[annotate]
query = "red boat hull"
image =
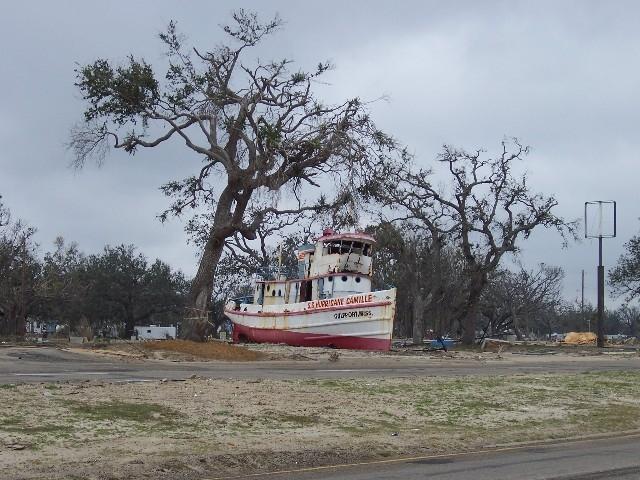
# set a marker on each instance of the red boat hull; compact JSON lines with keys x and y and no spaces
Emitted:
{"x":242,"y":333}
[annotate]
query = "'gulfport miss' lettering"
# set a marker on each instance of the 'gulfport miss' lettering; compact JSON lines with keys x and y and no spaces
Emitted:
{"x":352,"y":314}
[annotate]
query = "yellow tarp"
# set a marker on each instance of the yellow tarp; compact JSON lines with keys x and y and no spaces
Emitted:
{"x":580,"y":338}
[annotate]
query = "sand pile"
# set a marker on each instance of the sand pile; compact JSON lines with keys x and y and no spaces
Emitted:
{"x":580,"y":338}
{"x":210,"y":350}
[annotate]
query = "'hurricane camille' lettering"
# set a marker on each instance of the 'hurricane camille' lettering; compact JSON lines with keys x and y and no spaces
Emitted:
{"x":338,"y":302}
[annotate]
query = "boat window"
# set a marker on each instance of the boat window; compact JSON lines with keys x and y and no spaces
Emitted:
{"x":333,"y":247}
{"x":273,"y":294}
{"x":357,"y":248}
{"x":357,"y":279}
{"x":367,"y":250}
{"x":330,"y":279}
{"x":268,"y":287}
{"x":343,"y":247}
{"x":344,"y":278}
{"x":279,"y":293}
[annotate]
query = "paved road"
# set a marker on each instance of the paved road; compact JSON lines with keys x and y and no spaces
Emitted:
{"x":589,"y":460}
{"x":43,"y":364}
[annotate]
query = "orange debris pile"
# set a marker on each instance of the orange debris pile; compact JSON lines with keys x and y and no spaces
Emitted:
{"x":580,"y":338}
{"x":209,"y":350}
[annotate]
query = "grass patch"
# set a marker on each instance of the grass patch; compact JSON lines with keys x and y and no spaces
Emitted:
{"x":126,"y":411}
{"x":16,"y":424}
{"x":53,"y":429}
{"x":609,"y":417}
{"x":8,"y":386}
{"x":10,"y":421}
{"x":370,"y":426}
{"x":522,"y":406}
{"x":283,"y":420}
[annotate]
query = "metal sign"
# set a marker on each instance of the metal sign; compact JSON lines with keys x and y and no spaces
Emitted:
{"x":600,"y":219}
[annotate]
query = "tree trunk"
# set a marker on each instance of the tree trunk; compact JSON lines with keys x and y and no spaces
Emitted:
{"x":418,"y":320}
{"x":194,"y":325}
{"x":633,"y":327}
{"x":438,"y":290}
{"x":13,"y":320}
{"x":515,"y":322}
{"x":129,"y":326}
{"x":195,"y":321}
{"x":469,"y":325}
{"x":470,"y":310}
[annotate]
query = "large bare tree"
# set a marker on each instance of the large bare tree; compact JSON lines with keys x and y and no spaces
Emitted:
{"x":485,"y":209}
{"x":253,"y":128}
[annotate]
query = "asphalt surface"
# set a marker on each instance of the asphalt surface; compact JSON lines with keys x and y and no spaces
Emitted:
{"x":617,"y":458}
{"x":48,"y":364}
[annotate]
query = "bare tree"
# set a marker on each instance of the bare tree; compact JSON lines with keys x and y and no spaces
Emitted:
{"x":19,"y":271}
{"x":4,"y":215}
{"x":255,"y":127}
{"x":486,"y":209}
{"x":630,"y":317}
{"x":514,"y":300}
{"x":427,"y":277}
{"x":625,"y":277}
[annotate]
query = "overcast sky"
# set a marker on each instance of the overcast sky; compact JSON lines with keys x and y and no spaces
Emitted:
{"x":562,"y":76}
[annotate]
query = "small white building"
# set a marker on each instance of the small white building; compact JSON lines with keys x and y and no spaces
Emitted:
{"x":154,"y":332}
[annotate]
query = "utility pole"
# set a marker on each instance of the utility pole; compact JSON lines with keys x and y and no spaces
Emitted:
{"x":599,"y":233}
{"x":582,"y":304}
{"x":23,"y":281}
{"x":600,"y":296}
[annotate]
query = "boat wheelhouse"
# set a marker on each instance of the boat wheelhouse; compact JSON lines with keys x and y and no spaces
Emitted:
{"x":329,"y":303}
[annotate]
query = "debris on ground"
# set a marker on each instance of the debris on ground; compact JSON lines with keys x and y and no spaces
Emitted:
{"x":495,"y":345}
{"x":580,"y":338}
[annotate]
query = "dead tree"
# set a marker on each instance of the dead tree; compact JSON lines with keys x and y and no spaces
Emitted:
{"x":253,"y":128}
{"x":4,"y":215}
{"x":486,"y":209}
{"x":513,"y":300}
{"x":625,"y":277}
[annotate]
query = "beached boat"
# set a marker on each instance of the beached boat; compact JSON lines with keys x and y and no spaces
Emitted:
{"x":330,"y":303}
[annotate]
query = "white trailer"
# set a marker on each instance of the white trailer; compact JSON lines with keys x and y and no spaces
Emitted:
{"x":154,"y":332}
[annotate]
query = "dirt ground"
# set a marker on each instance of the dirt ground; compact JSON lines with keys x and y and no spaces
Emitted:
{"x":181,"y":350}
{"x":176,"y":350}
{"x":205,"y":427}
{"x":208,"y":350}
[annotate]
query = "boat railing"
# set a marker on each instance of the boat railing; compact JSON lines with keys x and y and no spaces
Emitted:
{"x":240,"y":300}
{"x":276,"y":273}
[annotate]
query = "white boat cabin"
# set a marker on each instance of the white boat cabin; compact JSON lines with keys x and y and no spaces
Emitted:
{"x":338,"y":265}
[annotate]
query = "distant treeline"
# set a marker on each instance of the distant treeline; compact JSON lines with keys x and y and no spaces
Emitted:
{"x":85,"y":294}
